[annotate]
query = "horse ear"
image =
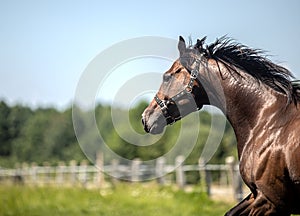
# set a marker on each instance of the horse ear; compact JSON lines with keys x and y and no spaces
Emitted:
{"x":181,"y":45}
{"x":200,"y":43}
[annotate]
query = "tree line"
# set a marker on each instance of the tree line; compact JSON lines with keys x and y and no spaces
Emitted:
{"x":47,"y":134}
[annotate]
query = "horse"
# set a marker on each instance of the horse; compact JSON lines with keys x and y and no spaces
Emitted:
{"x":261,"y":101}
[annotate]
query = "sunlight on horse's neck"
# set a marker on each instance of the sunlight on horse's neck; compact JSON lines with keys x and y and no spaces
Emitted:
{"x":241,"y":92}
{"x":246,"y":99}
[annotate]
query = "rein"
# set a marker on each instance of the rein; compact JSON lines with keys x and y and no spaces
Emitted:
{"x":186,"y":93}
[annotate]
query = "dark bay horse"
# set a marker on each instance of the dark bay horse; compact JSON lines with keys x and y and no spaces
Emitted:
{"x":261,"y":102}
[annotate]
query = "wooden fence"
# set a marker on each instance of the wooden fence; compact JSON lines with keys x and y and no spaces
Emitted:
{"x":222,"y":175}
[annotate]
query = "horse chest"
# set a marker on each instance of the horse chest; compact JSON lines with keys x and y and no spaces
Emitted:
{"x":260,"y":164}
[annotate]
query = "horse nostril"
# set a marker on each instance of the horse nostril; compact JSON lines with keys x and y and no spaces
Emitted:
{"x":145,"y":126}
{"x":146,"y":129}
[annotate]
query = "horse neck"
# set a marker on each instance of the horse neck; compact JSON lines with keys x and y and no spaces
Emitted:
{"x":247,"y":103}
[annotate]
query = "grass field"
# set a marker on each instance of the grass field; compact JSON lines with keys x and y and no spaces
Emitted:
{"x":122,"y":200}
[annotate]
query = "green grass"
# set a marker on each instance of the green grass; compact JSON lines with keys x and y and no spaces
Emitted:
{"x":123,"y":200}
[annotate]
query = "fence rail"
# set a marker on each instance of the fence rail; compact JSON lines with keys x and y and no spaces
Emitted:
{"x":87,"y":175}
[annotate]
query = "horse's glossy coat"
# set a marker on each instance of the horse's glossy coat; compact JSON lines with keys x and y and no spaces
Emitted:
{"x":262,"y":104}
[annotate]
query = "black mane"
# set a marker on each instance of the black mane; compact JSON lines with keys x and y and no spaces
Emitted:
{"x":253,"y":61}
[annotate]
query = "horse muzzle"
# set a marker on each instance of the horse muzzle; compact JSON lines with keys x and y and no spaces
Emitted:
{"x":154,"y":123}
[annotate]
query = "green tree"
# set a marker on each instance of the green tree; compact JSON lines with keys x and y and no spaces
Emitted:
{"x":48,"y":135}
{"x":5,"y":147}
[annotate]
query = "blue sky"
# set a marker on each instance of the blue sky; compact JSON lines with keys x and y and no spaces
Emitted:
{"x":46,"y":45}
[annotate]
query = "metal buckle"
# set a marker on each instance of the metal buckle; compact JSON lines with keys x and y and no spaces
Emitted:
{"x":194,"y":74}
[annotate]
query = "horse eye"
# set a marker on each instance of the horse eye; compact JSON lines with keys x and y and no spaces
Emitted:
{"x":167,"y":77}
{"x":178,"y":70}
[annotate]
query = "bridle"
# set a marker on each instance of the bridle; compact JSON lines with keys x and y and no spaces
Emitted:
{"x":186,"y":93}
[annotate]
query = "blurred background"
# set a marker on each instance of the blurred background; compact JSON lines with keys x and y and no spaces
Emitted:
{"x":46,"y":46}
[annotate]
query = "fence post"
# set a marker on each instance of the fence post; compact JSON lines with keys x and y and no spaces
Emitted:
{"x":205,"y":176}
{"x":239,"y":194}
{"x":160,"y":170}
{"x":18,"y":177}
{"x":83,"y":173}
{"x":47,"y":175}
{"x":135,"y":170}
{"x":180,"y":175}
{"x":235,"y":178}
{"x":99,"y":179}
{"x":33,"y":173}
{"x":60,"y":169}
{"x":73,"y":172}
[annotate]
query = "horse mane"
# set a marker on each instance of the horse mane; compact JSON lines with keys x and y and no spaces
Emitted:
{"x":254,"y":62}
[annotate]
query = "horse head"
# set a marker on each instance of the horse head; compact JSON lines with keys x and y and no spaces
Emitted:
{"x":180,"y":92}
